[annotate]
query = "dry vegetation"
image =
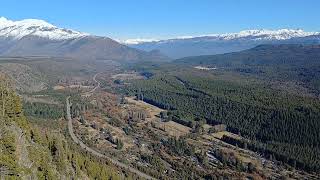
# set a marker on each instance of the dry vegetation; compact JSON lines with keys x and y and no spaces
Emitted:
{"x":26,"y":79}
{"x":134,"y":144}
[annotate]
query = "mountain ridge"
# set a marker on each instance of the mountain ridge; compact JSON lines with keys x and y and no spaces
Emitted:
{"x":225,"y":43}
{"x":280,"y":34}
{"x":33,"y":37}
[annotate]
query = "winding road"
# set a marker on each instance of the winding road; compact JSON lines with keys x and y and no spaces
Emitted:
{"x":94,"y":152}
{"x":87,"y":94}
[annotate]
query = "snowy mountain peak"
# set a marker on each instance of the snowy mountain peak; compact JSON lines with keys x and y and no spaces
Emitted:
{"x":35,"y":27}
{"x":281,"y":34}
{"x":255,"y":34}
{"x":4,"y":22}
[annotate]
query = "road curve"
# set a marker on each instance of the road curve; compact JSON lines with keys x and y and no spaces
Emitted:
{"x":89,"y":93}
{"x":96,"y":81}
{"x":94,"y":152}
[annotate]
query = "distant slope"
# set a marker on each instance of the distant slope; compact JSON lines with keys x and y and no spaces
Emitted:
{"x":33,"y":74}
{"x":25,"y":78}
{"x":283,"y":54}
{"x":286,"y":62}
{"x":225,"y":43}
{"x":88,"y":48}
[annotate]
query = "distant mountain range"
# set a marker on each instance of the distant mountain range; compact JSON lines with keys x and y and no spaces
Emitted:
{"x":224,"y":43}
{"x":32,"y":37}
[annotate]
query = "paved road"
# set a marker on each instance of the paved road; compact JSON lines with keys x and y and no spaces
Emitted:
{"x":94,"y":152}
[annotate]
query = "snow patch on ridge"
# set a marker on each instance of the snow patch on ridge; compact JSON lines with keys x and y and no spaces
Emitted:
{"x":138,"y":41}
{"x":35,"y":27}
{"x":263,"y":34}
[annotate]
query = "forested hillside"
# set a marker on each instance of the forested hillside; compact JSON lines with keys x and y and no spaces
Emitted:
{"x":282,"y":54}
{"x":283,"y":125}
{"x":297,"y":63}
{"x":31,"y":152}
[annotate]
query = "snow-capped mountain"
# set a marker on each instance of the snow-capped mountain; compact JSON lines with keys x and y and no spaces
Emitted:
{"x":264,"y":34}
{"x":33,"y":37}
{"x":35,"y":27}
{"x":281,"y":34}
{"x":223,"y":43}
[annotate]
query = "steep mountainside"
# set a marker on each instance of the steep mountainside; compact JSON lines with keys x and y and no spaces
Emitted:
{"x":224,"y":43}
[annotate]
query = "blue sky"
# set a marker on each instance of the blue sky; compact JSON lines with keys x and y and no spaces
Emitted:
{"x":122,"y":19}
